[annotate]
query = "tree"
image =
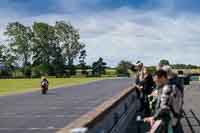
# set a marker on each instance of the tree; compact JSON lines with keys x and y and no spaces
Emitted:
{"x":98,"y":67}
{"x":20,"y":41}
{"x":123,"y":67}
{"x":7,"y":60}
{"x":184,"y":66}
{"x":45,"y":46}
{"x":164,"y":62}
{"x":42,"y":43}
{"x":82,"y":63}
{"x":69,"y":37}
{"x":58,"y":62}
{"x":2,"y":47}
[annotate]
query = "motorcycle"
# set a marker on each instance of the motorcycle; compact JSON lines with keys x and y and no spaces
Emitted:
{"x":44,"y":88}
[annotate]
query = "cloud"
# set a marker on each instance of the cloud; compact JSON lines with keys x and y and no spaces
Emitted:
{"x":145,"y":36}
{"x":127,"y":33}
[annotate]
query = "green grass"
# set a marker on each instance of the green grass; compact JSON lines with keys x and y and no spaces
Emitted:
{"x":13,"y":86}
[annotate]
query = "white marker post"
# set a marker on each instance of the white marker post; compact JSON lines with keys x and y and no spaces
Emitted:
{"x":79,"y":130}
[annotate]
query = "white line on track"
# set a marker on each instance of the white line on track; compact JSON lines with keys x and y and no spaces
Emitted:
{"x":29,"y":129}
{"x":37,"y":116}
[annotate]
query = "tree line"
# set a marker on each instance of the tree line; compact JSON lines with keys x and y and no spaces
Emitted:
{"x":43,"y":49}
{"x":124,"y":67}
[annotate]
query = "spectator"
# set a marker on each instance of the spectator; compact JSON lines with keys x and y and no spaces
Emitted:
{"x":173,"y":78}
{"x":138,"y":82}
{"x":147,"y":85}
{"x":166,"y":104}
{"x":140,"y":73}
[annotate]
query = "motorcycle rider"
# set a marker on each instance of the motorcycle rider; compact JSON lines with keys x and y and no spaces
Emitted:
{"x":44,"y":85}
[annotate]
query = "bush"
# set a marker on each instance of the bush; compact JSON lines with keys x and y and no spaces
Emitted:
{"x":111,"y":72}
{"x":44,"y":69}
{"x":122,"y":72}
{"x":17,"y":74}
{"x":151,"y":69}
{"x":35,"y":72}
{"x":27,"y":71}
{"x":5,"y":74}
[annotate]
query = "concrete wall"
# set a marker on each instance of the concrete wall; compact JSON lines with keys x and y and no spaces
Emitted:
{"x":117,"y":120}
{"x":113,"y":116}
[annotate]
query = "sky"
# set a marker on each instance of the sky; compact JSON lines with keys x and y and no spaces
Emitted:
{"x":146,"y":30}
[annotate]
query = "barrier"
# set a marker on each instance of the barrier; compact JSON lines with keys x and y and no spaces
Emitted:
{"x":113,"y":116}
{"x":157,"y":127}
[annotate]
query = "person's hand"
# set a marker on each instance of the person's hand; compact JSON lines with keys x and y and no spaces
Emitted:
{"x":149,"y":120}
{"x":137,"y":86}
{"x":141,"y":88}
{"x":154,"y":93}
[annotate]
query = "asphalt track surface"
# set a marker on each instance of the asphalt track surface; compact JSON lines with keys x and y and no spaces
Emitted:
{"x":36,"y":113}
{"x":191,"y":121}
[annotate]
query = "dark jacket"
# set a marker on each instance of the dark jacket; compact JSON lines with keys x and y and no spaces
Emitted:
{"x":138,"y":80}
{"x":147,"y":84}
{"x":177,"y":81}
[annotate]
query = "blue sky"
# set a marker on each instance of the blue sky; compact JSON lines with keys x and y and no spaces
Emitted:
{"x":146,"y":30}
{"x":38,"y":7}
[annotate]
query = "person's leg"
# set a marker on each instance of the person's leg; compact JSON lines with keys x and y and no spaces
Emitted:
{"x":146,"y":106}
{"x":142,"y":101}
{"x":178,"y":128}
